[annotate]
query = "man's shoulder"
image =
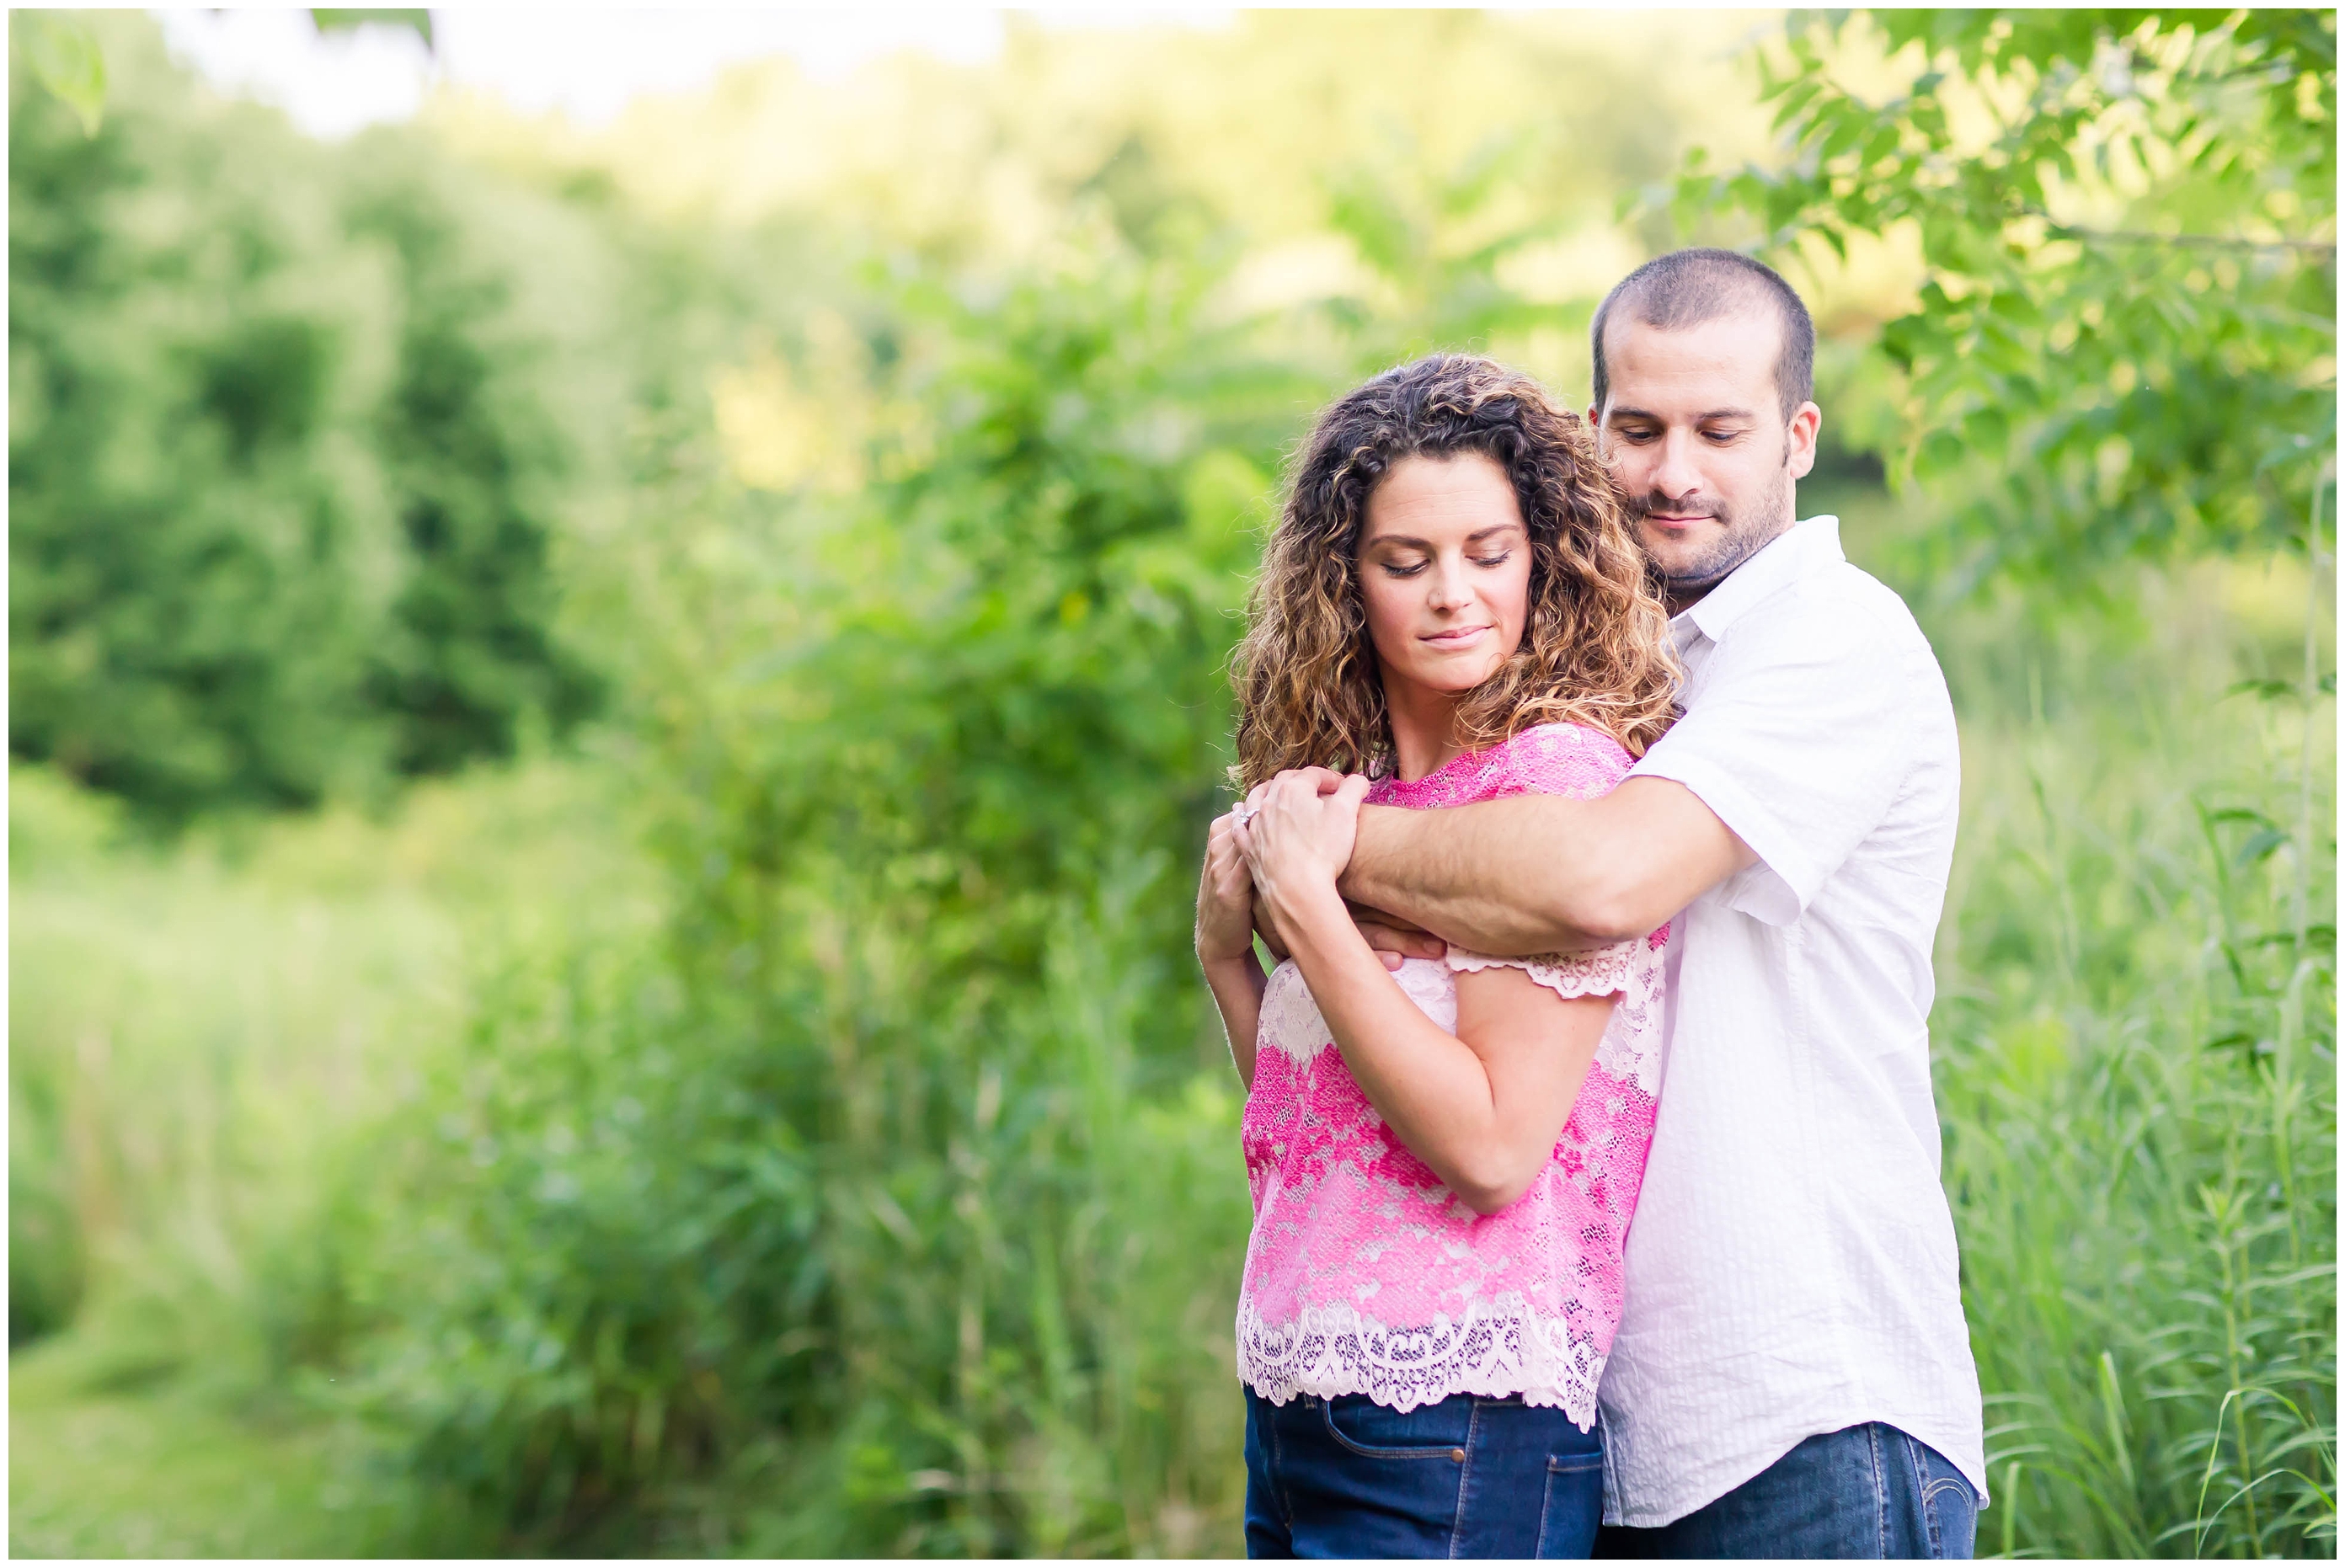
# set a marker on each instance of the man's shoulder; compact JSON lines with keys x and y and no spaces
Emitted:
{"x":1845,"y":587}
{"x":1836,"y":642}
{"x":1838,"y":608}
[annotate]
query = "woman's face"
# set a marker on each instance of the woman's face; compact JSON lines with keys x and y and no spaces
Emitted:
{"x":1445,"y":565}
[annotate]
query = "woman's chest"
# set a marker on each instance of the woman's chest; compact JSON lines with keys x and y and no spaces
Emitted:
{"x":1292,"y":1025}
{"x":1306,"y":1109}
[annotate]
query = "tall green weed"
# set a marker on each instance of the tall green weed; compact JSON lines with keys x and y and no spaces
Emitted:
{"x":2135,"y":1045}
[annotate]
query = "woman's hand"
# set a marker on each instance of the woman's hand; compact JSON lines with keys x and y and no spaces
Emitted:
{"x":1225,"y":897}
{"x":1297,"y":833}
{"x":1225,"y":941}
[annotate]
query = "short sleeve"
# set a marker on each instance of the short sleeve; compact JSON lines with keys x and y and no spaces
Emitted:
{"x":1797,"y":737}
{"x":1597,"y":972}
{"x":1562,"y":759}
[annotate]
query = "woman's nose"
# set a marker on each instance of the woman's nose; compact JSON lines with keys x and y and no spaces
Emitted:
{"x":1450,"y":590}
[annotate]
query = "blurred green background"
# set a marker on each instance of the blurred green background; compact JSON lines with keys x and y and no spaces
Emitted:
{"x":609,"y":729}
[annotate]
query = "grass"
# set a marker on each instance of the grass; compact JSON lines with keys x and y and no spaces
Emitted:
{"x":197,"y":1033}
{"x":2134,"y":1047}
{"x":103,"y":1462}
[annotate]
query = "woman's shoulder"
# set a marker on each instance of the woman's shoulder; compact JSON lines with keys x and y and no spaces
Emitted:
{"x":1564,"y":759}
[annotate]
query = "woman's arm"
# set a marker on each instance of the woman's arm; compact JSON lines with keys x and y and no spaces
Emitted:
{"x":1237,"y":988}
{"x":1225,"y":943}
{"x":1483,"y":1107}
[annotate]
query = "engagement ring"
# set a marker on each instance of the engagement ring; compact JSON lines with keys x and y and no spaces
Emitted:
{"x":1240,"y":814}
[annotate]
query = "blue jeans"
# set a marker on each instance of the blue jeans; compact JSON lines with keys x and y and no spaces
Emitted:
{"x":1864,"y":1492}
{"x":1465,"y":1477}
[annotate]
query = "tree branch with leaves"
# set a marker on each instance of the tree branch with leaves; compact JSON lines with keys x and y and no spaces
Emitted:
{"x":2125,"y":339}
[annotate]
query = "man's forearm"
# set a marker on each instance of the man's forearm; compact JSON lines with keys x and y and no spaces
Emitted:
{"x":1542,"y":874}
{"x":1509,"y":878}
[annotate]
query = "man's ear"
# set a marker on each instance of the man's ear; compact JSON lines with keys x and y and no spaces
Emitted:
{"x":1799,"y":440}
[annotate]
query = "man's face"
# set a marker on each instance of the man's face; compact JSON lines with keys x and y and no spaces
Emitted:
{"x":1693,"y":428}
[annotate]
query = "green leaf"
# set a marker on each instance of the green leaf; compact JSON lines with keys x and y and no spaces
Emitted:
{"x":2259,"y":846}
{"x":1942,"y":453}
{"x":66,"y":60}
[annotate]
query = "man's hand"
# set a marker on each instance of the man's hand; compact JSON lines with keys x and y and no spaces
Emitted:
{"x":1396,"y":940}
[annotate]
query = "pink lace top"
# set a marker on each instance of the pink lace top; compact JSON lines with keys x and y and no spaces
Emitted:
{"x":1365,"y":1275}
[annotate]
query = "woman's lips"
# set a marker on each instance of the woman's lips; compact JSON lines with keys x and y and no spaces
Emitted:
{"x":1456,"y":638}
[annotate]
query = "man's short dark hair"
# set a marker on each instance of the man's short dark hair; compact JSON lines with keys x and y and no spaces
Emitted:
{"x":1686,"y":288}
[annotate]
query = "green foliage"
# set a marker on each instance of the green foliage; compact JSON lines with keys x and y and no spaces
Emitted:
{"x":1433,"y":241}
{"x":996,"y":669}
{"x":476,"y":459}
{"x":679,"y":1283}
{"x":2125,"y":337}
{"x":105,"y":1466}
{"x":889,"y":1194}
{"x":65,"y":60}
{"x":284,"y":475}
{"x":193,"y":1031}
{"x":68,"y":60}
{"x":2136,"y":1072}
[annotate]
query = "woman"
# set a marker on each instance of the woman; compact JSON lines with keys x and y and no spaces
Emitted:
{"x":1444,"y":1158}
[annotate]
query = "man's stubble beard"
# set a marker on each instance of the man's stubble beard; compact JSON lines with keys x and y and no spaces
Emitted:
{"x":1738,"y":540}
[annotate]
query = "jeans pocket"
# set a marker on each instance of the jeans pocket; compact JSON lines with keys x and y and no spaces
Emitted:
{"x":1573,"y":1506}
{"x":1376,"y":1432}
{"x":1950,"y":1508}
{"x":1948,"y":1505}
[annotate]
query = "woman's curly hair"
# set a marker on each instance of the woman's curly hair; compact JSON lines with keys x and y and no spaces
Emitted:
{"x":1596,"y":642}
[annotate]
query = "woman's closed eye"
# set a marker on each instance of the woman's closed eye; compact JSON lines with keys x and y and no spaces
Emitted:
{"x":1412,"y":567}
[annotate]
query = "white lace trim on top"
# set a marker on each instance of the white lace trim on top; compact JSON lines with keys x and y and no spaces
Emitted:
{"x":1591,"y":973}
{"x":1500,"y":1349}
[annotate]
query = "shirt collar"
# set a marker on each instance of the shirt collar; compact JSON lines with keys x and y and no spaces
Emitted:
{"x":1801,"y":549}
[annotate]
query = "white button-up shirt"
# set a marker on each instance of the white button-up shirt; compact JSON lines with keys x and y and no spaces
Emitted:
{"x":1791,"y":1268}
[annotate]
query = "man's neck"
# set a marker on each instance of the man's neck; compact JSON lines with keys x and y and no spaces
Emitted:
{"x":1679,"y":598}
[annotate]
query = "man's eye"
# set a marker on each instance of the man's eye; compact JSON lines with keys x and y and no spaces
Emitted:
{"x":1639,"y":437}
{"x":1722,"y":437}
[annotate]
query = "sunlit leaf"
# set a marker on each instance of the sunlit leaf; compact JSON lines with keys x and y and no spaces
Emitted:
{"x":66,"y":60}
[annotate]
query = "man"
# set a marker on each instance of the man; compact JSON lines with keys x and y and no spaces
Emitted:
{"x":1792,"y":1375}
